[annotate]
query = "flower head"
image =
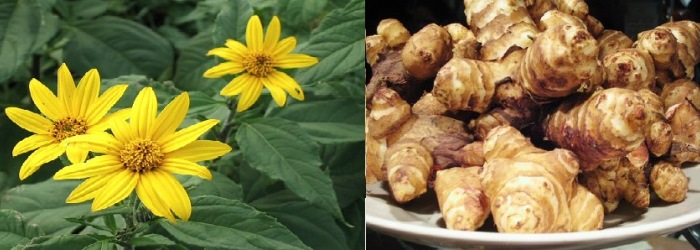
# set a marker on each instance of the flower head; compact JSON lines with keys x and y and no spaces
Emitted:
{"x":75,"y":111}
{"x":258,"y":60}
{"x":142,"y":155}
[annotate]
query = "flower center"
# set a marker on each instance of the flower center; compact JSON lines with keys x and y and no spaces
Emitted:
{"x":141,"y":155}
{"x":258,"y":64}
{"x":67,"y":127}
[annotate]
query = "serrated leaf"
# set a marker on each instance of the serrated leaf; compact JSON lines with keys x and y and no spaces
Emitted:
{"x":151,"y":240}
{"x":43,"y":204}
{"x":282,"y":151}
{"x":346,"y":170}
{"x":231,"y":22}
{"x":315,"y":227}
{"x":117,"y":46}
{"x":220,"y":186}
{"x":70,"y":241}
{"x":331,"y":121}
{"x":193,"y":62}
{"x":14,"y":230}
{"x":230,"y":224}
{"x":298,"y":13}
{"x":338,"y":42}
{"x":20,"y":23}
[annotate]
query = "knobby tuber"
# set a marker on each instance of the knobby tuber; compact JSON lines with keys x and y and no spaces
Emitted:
{"x":462,"y":201}
{"x":669,"y":182}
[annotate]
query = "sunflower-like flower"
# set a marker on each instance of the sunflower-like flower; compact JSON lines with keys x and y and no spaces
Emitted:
{"x":142,"y":155}
{"x":259,"y":61}
{"x":75,"y":111}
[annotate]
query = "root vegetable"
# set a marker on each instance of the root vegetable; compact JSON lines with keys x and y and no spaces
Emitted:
{"x":610,"y":41}
{"x":462,"y":201}
{"x":629,"y":68}
{"x":680,"y":90}
{"x":426,"y":51}
{"x":393,"y":32}
{"x":685,"y":124}
{"x":499,"y":26}
{"x":669,"y":182}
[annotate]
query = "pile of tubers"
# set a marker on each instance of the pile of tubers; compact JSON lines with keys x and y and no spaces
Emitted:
{"x":533,"y":114}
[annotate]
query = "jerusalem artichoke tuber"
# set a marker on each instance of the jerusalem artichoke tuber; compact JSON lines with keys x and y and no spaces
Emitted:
{"x":500,"y":26}
{"x":461,"y":199}
{"x":610,"y":41}
{"x":685,"y":124}
{"x":629,"y":68}
{"x":426,"y":51}
{"x":680,"y":90}
{"x":669,"y":182}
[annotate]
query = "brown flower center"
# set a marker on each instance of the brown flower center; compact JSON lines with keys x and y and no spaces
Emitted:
{"x":141,"y":155}
{"x":258,"y":64}
{"x":67,"y":127}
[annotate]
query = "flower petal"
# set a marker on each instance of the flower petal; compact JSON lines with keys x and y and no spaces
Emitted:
{"x":173,"y":194}
{"x":273,"y":34}
{"x":86,"y":93}
{"x":100,"y":165}
{"x":226,"y":68}
{"x":237,"y":85}
{"x":30,"y":143}
{"x":277,"y":93}
{"x":254,"y":34}
{"x":121,"y":130}
{"x":66,"y":88}
{"x":100,"y":142}
{"x":226,"y":53}
{"x":39,"y":157}
{"x":76,"y":154}
{"x":295,"y":61}
{"x":118,"y":188}
{"x":181,"y":166}
{"x":284,"y":47}
{"x":105,"y":122}
{"x":89,"y":188}
{"x":200,"y":150}
{"x":29,"y":121}
{"x":146,"y":190}
{"x":104,"y":103}
{"x":44,"y":99}
{"x":236,"y":47}
{"x":143,"y":112}
{"x":250,"y":95}
{"x":287,"y":83}
{"x":185,"y":136}
{"x":171,"y":117}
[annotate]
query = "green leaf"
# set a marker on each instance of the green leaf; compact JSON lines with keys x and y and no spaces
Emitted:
{"x":101,"y":245}
{"x":231,"y":21}
{"x":117,"y":46}
{"x":220,"y":185}
{"x":88,"y":9}
{"x":14,"y":230}
{"x":151,"y":240}
{"x":165,"y":91}
{"x":346,"y":170}
{"x":283,"y":151}
{"x":332,"y":121}
{"x":298,"y":13}
{"x":70,"y":241}
{"x":355,"y":214}
{"x":193,"y":62}
{"x":20,"y":23}
{"x":230,"y":224}
{"x":338,"y":42}
{"x":315,"y":227}
{"x":43,"y":204}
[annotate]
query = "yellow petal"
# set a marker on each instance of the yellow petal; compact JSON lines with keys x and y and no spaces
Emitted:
{"x":173,"y":194}
{"x":295,"y":61}
{"x":121,"y":130}
{"x":277,"y":93}
{"x":100,"y":142}
{"x":273,"y":34}
{"x":86,"y":93}
{"x":146,"y":190}
{"x":29,"y":121}
{"x":105,"y":102}
{"x":118,"y":188}
{"x":76,"y":154}
{"x":39,"y":157}
{"x":226,"y":53}
{"x":66,"y":88}
{"x":30,"y":143}
{"x":45,"y":100}
{"x":254,"y":34}
{"x":171,"y":117}
{"x":226,"y":68}
{"x":89,"y":188}
{"x":105,"y":122}
{"x":143,"y":112}
{"x":284,"y":47}
{"x":236,"y":47}
{"x":179,"y":139}
{"x":236,"y":86}
{"x":181,"y":166}
{"x":250,"y":95}
{"x":287,"y":83}
{"x":200,"y":150}
{"x":100,"y":165}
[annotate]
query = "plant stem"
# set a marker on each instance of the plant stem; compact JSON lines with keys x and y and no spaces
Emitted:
{"x":225,"y":132}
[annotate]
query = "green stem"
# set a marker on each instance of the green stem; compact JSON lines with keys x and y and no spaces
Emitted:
{"x":131,"y":223}
{"x":225,"y":131}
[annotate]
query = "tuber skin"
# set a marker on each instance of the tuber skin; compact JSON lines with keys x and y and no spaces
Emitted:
{"x":687,"y":34}
{"x":388,"y":72}
{"x":464,"y":44}
{"x":610,"y":41}
{"x":679,"y":91}
{"x":374,"y":157}
{"x":462,"y":201}
{"x":555,"y":18}
{"x":685,"y":124}
{"x":537,"y":9}
{"x":658,"y":136}
{"x":388,"y":112}
{"x":373,"y":48}
{"x":393,"y":32}
{"x":629,"y":68}
{"x":464,"y":84}
{"x":499,"y":26}
{"x":426,"y":51}
{"x":669,"y":182}
{"x":663,"y":47}
{"x":586,"y":210}
{"x":605,"y":126}
{"x":429,"y":105}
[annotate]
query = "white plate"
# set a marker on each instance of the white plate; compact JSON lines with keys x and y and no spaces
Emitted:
{"x":420,"y":221}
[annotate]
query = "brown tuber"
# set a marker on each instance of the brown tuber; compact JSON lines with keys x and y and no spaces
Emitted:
{"x":669,"y":182}
{"x":679,"y":91}
{"x":426,"y":51}
{"x":629,"y":68}
{"x":685,"y":124}
{"x":499,"y":26}
{"x":610,"y":41}
{"x":393,"y":32}
{"x":462,"y":201}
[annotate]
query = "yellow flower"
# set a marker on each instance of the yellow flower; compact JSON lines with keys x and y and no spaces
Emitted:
{"x":259,"y":61}
{"x":76,"y":111}
{"x":143,"y":155}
